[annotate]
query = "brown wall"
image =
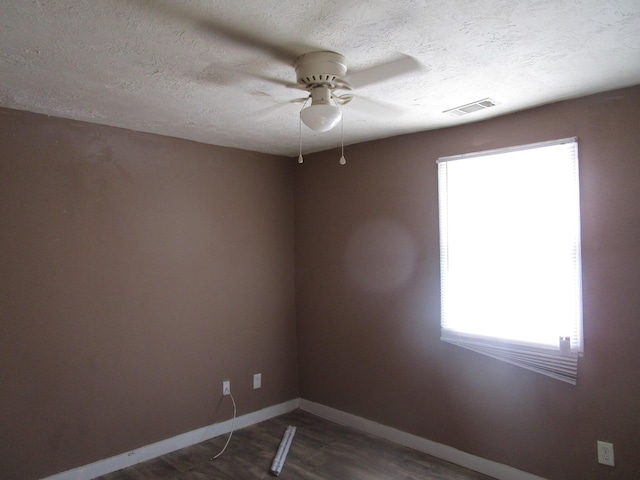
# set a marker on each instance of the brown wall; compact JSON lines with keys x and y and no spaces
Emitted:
{"x":140,"y":271}
{"x":137,"y":273}
{"x":367,"y":287}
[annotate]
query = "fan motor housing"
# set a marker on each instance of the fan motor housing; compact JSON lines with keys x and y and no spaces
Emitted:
{"x":320,"y":68}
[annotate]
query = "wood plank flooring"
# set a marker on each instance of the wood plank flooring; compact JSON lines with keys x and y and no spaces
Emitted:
{"x":321,"y":450}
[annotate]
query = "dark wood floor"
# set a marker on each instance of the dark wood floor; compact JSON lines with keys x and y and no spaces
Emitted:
{"x":321,"y":450}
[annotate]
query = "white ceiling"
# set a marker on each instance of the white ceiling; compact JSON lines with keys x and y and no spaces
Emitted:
{"x":191,"y":69}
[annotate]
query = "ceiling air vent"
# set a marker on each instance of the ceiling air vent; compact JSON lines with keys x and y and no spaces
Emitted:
{"x":471,"y":107}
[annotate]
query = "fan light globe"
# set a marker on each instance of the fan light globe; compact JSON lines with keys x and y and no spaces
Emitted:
{"x":321,"y":118}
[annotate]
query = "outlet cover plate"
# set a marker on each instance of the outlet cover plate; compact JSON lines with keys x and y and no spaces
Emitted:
{"x":605,"y":453}
{"x":257,"y":380}
{"x":226,"y":387}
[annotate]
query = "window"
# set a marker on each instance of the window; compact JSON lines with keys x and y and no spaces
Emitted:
{"x":510,"y":255}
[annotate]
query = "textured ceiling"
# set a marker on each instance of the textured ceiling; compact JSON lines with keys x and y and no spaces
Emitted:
{"x":200,"y":69}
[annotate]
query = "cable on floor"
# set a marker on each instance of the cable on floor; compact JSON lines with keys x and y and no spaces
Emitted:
{"x":231,"y":432}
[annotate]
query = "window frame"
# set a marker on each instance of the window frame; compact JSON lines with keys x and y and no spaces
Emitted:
{"x":558,"y":361}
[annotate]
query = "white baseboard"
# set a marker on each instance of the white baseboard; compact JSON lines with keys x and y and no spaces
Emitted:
{"x":102,"y":467}
{"x":450,"y":454}
{"x":444,"y":452}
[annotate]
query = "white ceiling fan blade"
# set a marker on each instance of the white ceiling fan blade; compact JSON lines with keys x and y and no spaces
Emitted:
{"x":374,"y":107}
{"x":241,"y":35}
{"x":384,"y":71}
{"x":213,"y":70}
{"x":265,"y":112}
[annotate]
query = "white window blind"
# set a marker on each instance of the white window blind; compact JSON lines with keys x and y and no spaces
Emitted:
{"x":510,"y":255}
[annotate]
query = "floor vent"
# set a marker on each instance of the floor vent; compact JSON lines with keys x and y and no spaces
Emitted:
{"x":471,"y":107}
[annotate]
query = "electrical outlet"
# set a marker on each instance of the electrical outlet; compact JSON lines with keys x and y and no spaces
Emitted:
{"x":226,"y":387}
{"x":257,"y":380}
{"x":605,"y":453}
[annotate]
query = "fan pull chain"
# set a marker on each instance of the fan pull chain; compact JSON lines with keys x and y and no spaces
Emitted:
{"x":343,"y":160}
{"x":300,"y":159}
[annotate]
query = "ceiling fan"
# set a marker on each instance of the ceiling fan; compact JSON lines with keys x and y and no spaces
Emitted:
{"x":320,"y":72}
{"x":324,"y":74}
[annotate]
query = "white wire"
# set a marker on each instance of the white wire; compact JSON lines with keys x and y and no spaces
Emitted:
{"x":232,"y":425}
